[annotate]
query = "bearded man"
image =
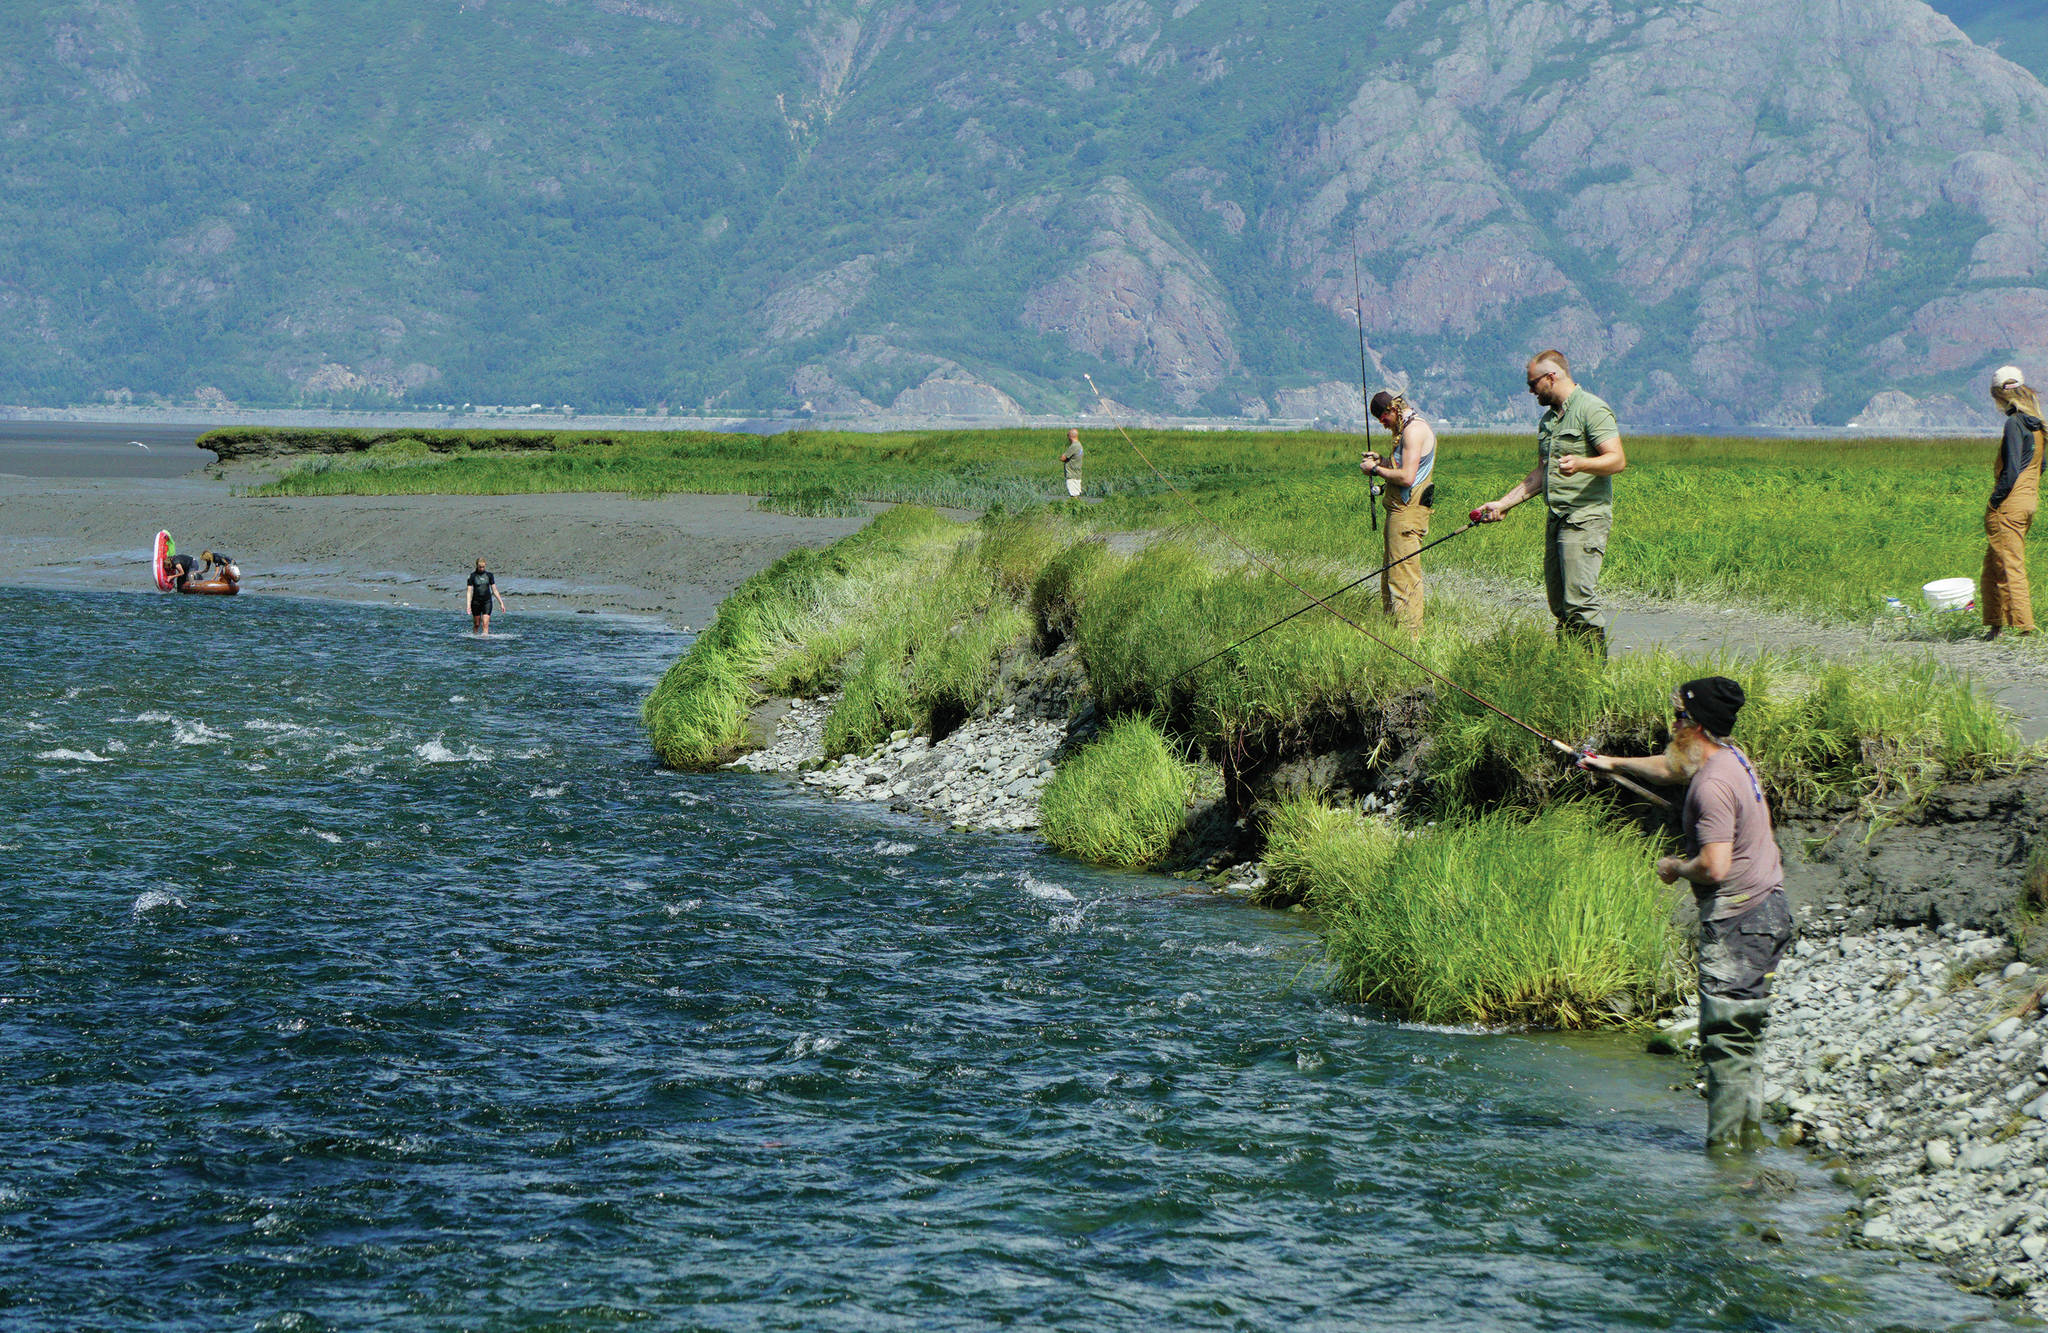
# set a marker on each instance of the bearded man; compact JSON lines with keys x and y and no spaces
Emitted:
{"x":1731,"y":859}
{"x":1578,"y":454}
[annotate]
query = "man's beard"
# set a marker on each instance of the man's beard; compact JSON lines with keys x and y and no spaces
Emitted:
{"x":1686,"y":754}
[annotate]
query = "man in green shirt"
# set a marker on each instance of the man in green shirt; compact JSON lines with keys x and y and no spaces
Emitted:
{"x":1578,"y":451}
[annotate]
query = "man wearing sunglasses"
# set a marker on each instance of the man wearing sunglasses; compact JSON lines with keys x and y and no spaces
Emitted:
{"x":1578,"y":451}
{"x":1731,"y":860}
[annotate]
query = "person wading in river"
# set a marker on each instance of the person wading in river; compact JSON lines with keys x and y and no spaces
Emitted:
{"x":1731,"y":859}
{"x":1071,"y":460}
{"x":483,"y":586}
{"x":2008,"y":601}
{"x":1578,"y":453}
{"x":1410,"y":493}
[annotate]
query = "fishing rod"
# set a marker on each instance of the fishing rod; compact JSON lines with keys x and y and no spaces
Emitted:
{"x":1372,"y":505}
{"x":1302,"y":611}
{"x":1428,"y":670}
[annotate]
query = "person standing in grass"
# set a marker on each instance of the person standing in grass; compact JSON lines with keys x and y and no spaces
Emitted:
{"x":1578,"y":453}
{"x":1071,"y":460}
{"x":2008,"y":601}
{"x":1409,"y":494}
{"x":483,"y":586}
{"x":1732,"y":861}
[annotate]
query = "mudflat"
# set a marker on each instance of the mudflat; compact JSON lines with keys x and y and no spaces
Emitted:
{"x":79,"y":508}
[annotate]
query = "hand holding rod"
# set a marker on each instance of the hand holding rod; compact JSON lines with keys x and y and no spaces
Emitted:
{"x":1613,"y":777}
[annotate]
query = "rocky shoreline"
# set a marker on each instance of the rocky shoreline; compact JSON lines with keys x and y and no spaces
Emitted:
{"x":987,"y":775}
{"x":1916,"y":1062}
{"x":1913,"y":1059}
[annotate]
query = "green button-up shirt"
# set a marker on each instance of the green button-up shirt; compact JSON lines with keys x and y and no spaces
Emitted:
{"x":1581,"y":427}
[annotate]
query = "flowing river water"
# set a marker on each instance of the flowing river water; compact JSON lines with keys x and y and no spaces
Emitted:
{"x":360,"y":974}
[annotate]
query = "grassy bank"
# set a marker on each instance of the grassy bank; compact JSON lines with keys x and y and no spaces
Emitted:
{"x":1821,"y":526}
{"x":1523,"y":901}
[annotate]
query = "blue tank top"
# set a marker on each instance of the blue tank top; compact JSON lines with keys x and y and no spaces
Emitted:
{"x":1421,"y":482}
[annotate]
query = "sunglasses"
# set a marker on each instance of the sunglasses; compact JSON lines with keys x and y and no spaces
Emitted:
{"x":1537,"y":382}
{"x":1680,"y":715}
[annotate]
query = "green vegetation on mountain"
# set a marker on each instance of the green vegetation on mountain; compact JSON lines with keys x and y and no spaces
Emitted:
{"x":956,"y":209}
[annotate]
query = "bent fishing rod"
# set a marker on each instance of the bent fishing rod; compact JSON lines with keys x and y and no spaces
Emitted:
{"x":1304,"y":610}
{"x":1262,"y":562}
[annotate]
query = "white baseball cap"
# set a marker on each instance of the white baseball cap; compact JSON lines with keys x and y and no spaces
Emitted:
{"x":2007,"y":375}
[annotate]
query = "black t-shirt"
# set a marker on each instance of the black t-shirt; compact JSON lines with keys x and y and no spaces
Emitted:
{"x":480,"y":584}
{"x":181,"y":564}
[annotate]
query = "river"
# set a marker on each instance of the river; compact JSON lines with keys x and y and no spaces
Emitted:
{"x":362,"y":974}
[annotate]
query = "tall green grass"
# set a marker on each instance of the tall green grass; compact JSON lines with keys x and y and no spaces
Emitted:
{"x":1557,"y":920}
{"x":1122,"y":800}
{"x":926,"y":654}
{"x":1825,"y":526}
{"x":1316,"y":848}
{"x":1819,"y":730}
{"x":786,"y":626}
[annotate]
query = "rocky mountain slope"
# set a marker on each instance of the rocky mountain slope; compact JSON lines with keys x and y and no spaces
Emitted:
{"x":1730,"y":211}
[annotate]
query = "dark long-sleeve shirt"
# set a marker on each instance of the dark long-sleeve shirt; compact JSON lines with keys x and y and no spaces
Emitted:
{"x":2016,"y":456}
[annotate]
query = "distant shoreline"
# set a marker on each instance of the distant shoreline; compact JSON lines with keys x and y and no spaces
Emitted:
{"x":674,"y":558}
{"x":200,"y":418}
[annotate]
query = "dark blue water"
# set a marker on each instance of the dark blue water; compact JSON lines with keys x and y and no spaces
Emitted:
{"x":371,"y":976}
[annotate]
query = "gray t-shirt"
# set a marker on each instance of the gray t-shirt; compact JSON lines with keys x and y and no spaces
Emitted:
{"x":1072,"y":458}
{"x":1725,"y":803}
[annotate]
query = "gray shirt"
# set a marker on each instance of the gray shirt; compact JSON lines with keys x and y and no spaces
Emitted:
{"x":1725,"y":803}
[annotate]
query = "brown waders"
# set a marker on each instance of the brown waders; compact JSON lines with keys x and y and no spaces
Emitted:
{"x":1574,"y":545}
{"x":1401,"y":584}
{"x":1738,"y":960}
{"x":2003,"y":592}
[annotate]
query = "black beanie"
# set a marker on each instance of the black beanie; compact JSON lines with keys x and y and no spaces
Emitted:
{"x":1713,"y":702}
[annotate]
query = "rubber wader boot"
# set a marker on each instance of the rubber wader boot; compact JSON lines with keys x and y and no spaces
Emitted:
{"x":1731,"y":1032}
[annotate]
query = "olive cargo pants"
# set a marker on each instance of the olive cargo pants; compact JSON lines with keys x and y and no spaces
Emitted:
{"x":1401,"y":585}
{"x":1738,"y":961}
{"x":2003,"y":592}
{"x":1573,"y":548}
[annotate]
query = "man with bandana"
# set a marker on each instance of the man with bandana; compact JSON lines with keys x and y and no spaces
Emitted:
{"x":1731,"y":860}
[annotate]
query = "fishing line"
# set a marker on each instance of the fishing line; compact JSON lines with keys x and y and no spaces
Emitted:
{"x":1410,"y":658}
{"x":1306,"y":609}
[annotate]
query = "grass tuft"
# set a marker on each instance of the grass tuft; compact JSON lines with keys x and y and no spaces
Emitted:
{"x":1315,"y":847}
{"x":1557,"y":920}
{"x":1121,"y":801}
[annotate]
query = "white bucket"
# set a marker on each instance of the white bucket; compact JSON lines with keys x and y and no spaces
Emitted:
{"x":1949,"y":594}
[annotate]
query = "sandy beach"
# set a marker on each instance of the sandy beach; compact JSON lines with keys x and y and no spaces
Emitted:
{"x":79,"y":506}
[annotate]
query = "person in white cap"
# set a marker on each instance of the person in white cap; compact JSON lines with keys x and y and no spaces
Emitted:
{"x":2003,"y":593}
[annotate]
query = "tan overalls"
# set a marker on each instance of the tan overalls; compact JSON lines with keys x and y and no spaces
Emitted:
{"x":1407,"y":529}
{"x":2003,"y":591}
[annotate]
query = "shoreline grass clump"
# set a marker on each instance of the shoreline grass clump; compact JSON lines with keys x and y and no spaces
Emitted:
{"x":1314,"y":847}
{"x":1121,"y":801}
{"x":784,"y":626}
{"x":1552,"y":921}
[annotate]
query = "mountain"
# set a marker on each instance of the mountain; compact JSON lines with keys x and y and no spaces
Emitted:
{"x":1730,"y":212}
{"x":2016,"y":29}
